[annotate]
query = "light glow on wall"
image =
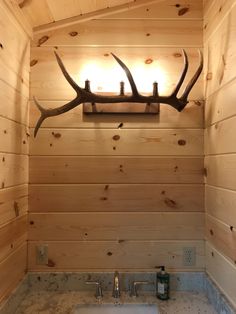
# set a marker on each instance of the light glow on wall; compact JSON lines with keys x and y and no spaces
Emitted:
{"x":105,"y":77}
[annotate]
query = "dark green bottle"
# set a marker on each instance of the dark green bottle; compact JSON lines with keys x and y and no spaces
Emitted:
{"x":162,"y":284}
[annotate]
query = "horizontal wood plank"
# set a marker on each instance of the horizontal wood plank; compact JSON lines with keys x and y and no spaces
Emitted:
{"x":116,"y":198}
{"x":214,"y":17}
{"x":190,"y":117}
{"x":111,"y":32}
{"x":220,"y":55}
{"x":221,"y":171}
{"x":13,"y":203}
{"x":222,"y":236}
{"x":13,"y":235}
{"x":220,"y":138}
{"x":115,"y":170}
{"x":12,"y":271}
{"x":14,"y":137}
{"x":110,"y":255}
{"x":222,"y":271}
{"x":216,"y":108}
{"x":13,"y":105}
{"x":221,"y":204}
{"x":116,"y":226}
{"x":117,"y":142}
{"x":13,"y":170}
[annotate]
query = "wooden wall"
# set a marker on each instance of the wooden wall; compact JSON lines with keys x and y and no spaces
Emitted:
{"x":14,"y":134}
{"x":220,"y":149}
{"x":100,"y":203}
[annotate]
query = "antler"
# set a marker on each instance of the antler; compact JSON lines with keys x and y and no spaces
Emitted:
{"x":85,"y":95}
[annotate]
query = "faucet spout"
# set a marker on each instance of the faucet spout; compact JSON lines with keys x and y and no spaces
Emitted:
{"x":116,"y":286}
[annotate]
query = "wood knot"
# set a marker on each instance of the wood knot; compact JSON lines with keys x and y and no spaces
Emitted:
{"x":183,"y":11}
{"x":177,"y":55}
{"x":42,"y":40}
{"x":148,"y":61}
{"x":33,"y":62}
{"x":73,"y":33}
{"x":31,"y":222}
{"x":3,"y":159}
{"x":231,"y":228}
{"x":211,"y":232}
{"x":116,"y":137}
{"x":109,"y":253}
{"x":120,"y":125}
{"x":177,"y":5}
{"x":106,"y":55}
{"x":170,"y":203}
{"x":51,"y":263}
{"x":148,"y":34}
{"x":181,"y":142}
{"x":56,"y":135}
{"x":1,"y":45}
{"x":103,"y":198}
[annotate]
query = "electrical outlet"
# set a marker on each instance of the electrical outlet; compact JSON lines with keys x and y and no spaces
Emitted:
{"x":42,"y":254}
{"x":189,"y":256}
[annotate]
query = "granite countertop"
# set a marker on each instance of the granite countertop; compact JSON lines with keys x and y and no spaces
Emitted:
{"x":51,"y":302}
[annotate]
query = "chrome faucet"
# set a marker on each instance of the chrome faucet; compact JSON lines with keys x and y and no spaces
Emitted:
{"x":116,"y":285}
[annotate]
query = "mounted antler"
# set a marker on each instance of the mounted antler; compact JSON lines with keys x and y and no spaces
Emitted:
{"x":85,"y":95}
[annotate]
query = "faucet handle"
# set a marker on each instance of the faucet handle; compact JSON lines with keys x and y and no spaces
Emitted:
{"x":135,"y":284}
{"x":98,"y":293}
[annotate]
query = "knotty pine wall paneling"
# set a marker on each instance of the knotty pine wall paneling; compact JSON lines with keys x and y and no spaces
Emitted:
{"x":14,"y":143}
{"x":100,"y":203}
{"x":220,"y":150}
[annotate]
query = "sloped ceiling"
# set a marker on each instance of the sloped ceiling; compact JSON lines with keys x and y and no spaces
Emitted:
{"x":40,"y":12}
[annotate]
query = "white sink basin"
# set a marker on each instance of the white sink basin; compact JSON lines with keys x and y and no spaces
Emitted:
{"x":116,"y":309}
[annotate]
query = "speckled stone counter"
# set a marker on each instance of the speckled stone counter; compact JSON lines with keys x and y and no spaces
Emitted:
{"x":49,"y":302}
{"x":61,"y":293}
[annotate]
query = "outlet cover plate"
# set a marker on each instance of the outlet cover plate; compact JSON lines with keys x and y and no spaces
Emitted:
{"x":189,"y":256}
{"x":42,"y":254}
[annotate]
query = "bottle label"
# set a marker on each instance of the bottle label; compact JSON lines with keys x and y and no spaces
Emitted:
{"x":161,"y":288}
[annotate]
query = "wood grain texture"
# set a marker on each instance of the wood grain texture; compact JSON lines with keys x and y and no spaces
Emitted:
{"x":109,"y":170}
{"x":221,"y":171}
{"x":190,"y":117}
{"x":222,"y":271}
{"x":116,"y":226}
{"x":116,"y":198}
{"x":110,"y":255}
{"x":117,"y":142}
{"x":13,"y":203}
{"x":220,"y":138}
{"x":13,"y":170}
{"x":12,"y":236}
{"x":221,"y":236}
{"x":214,"y":17}
{"x":221,"y":105}
{"x":12,"y":271}
{"x":164,"y":10}
{"x":14,"y":137}
{"x":161,"y":33}
{"x":97,"y":64}
{"x":221,"y":203}
{"x":13,"y":105}
{"x":220,"y":55}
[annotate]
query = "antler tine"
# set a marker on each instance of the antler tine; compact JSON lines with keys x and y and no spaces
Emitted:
{"x":177,"y":88}
{"x":128,"y":74}
{"x":42,"y":117}
{"x":194,"y":78}
{"x":69,"y":79}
